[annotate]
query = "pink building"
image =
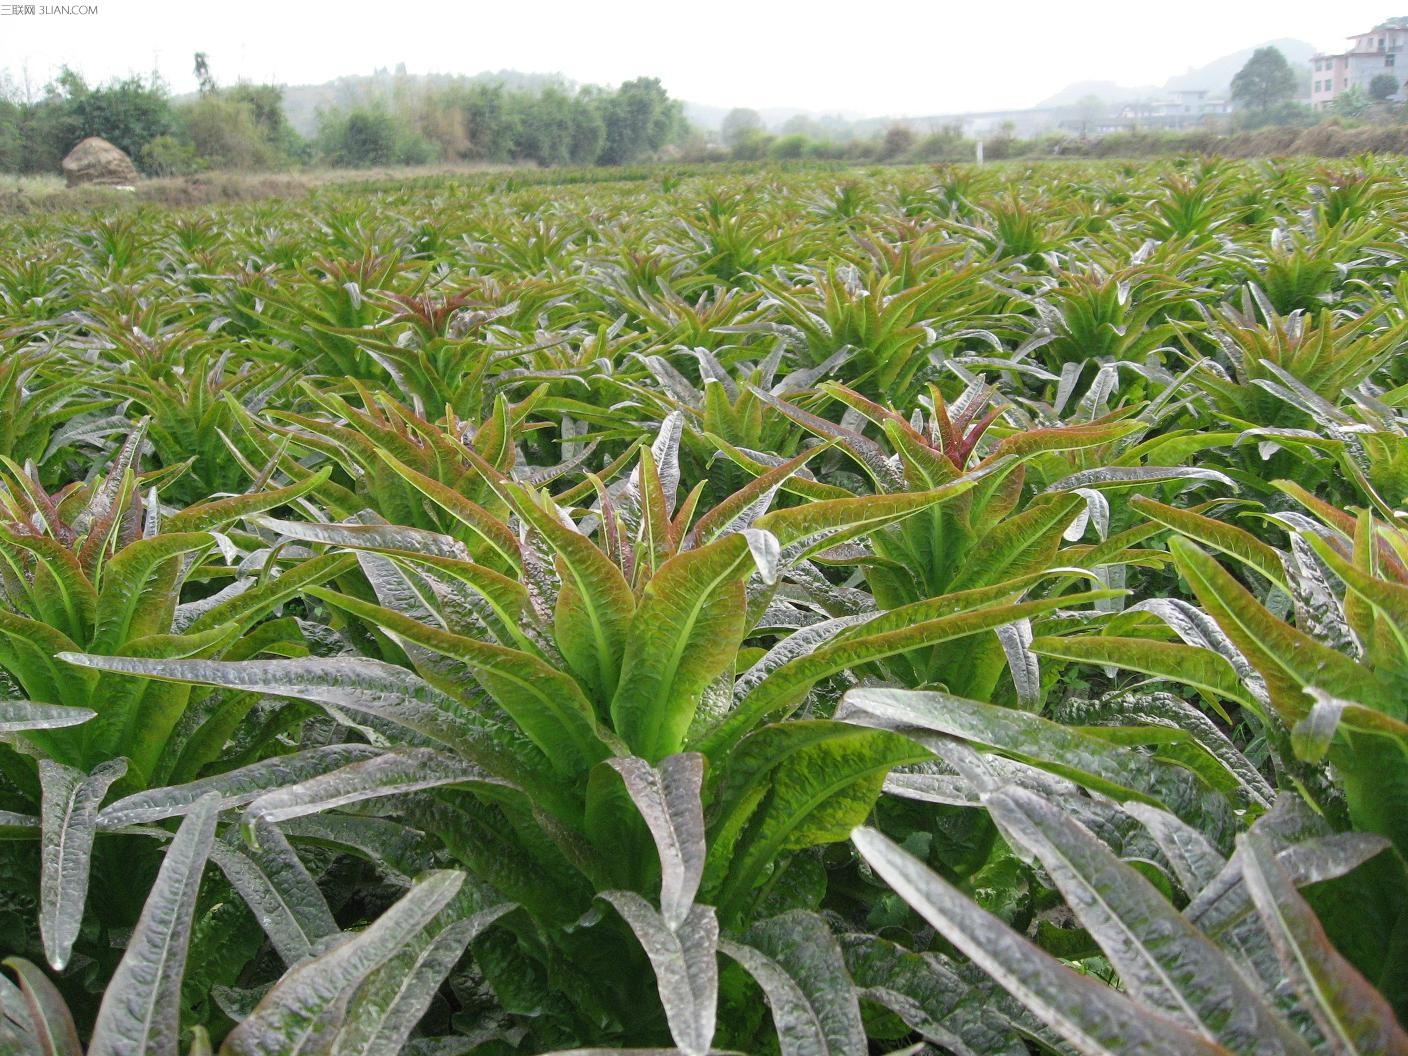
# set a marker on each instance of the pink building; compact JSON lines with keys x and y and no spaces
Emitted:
{"x":1369,"y":55}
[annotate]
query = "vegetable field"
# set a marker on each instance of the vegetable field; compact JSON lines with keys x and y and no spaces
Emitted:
{"x":919,"y":610}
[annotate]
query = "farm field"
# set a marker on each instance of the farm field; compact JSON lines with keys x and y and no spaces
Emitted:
{"x":927,"y":610}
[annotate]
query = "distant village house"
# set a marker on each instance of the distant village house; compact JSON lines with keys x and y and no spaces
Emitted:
{"x":1370,"y":54}
{"x":1185,"y":109}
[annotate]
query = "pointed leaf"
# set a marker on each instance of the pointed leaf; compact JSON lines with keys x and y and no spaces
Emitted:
{"x":68,"y":810}
{"x":140,"y":1013}
{"x":1195,"y":861}
{"x":685,"y":632}
{"x":1121,"y":773}
{"x":798,"y":964}
{"x":388,"y":774}
{"x":594,"y":604}
{"x":386,"y":1007}
{"x":548,"y":705}
{"x":208,"y":516}
{"x":823,"y":523}
{"x":1163,"y":961}
{"x":886,"y":635}
{"x":686,"y":966}
{"x":1231,"y":540}
{"x":358,"y":684}
{"x":1174,"y":662}
{"x":1093,"y":1018}
{"x":1350,"y":1012}
{"x":797,"y":784}
{"x":139,"y":592}
{"x":668,"y":800}
{"x":301,"y":1014}
{"x":49,"y":1016}
{"x":17,"y":716}
{"x":280,"y":892}
{"x":1288,"y":659}
{"x":235,"y":787}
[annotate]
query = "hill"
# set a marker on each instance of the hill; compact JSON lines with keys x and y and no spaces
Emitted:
{"x":1214,"y":77}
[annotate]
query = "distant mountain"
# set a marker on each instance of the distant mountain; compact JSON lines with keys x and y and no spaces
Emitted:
{"x":1214,"y":78}
{"x":1105,"y":91}
{"x":1217,"y":75}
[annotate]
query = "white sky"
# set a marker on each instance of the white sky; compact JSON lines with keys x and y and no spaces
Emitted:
{"x":873,"y":57}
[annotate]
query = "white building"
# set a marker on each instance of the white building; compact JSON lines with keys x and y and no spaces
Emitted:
{"x":1370,"y":54}
{"x":1185,"y":109}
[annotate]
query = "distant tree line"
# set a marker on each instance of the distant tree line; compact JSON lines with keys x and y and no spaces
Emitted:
{"x":462,"y":122}
{"x":522,"y":119}
{"x":244,"y":127}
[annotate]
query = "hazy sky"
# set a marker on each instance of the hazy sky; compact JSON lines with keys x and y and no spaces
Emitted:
{"x":876,"y":57}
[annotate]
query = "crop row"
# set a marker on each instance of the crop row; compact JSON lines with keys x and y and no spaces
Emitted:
{"x":919,"y":610}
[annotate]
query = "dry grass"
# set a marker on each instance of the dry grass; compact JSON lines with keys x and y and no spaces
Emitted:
{"x":26,"y":194}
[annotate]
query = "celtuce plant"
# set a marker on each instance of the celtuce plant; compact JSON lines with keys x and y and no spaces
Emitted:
{"x":761,"y":612}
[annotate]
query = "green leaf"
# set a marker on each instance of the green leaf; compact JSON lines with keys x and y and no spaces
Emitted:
{"x":508,"y":599}
{"x":390,"y":773}
{"x":1312,"y":735}
{"x":208,"y":516}
{"x":594,"y":604}
{"x":1193,"y":858}
{"x":1288,"y":659}
{"x":886,"y":635}
{"x":1163,"y":961}
{"x":1389,"y":600}
{"x":16,"y":716}
{"x":141,"y":1008}
{"x":1231,"y":540}
{"x":18,"y":826}
{"x":53,"y":584}
{"x":1350,"y":1012}
{"x":684,"y":634}
{"x":279,"y":890}
{"x":139,"y":589}
{"x":823,"y":523}
{"x":68,"y":809}
{"x":52,"y":1023}
{"x":1018,"y":545}
{"x":962,"y":1014}
{"x":742,"y":509}
{"x":1171,"y":661}
{"x":386,"y":1007}
{"x":1132,"y":476}
{"x":235,"y":787}
{"x":356,"y":684}
{"x":358,"y":536}
{"x":548,"y":706}
{"x":798,"y":964}
{"x":796,"y":785}
{"x":137,"y":715}
{"x":303,"y":1011}
{"x":27,"y":651}
{"x":1120,"y":773}
{"x":685,"y":961}
{"x":668,"y":801}
{"x":1093,"y":1018}
{"x":490,"y":531}
{"x":245,"y":608}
